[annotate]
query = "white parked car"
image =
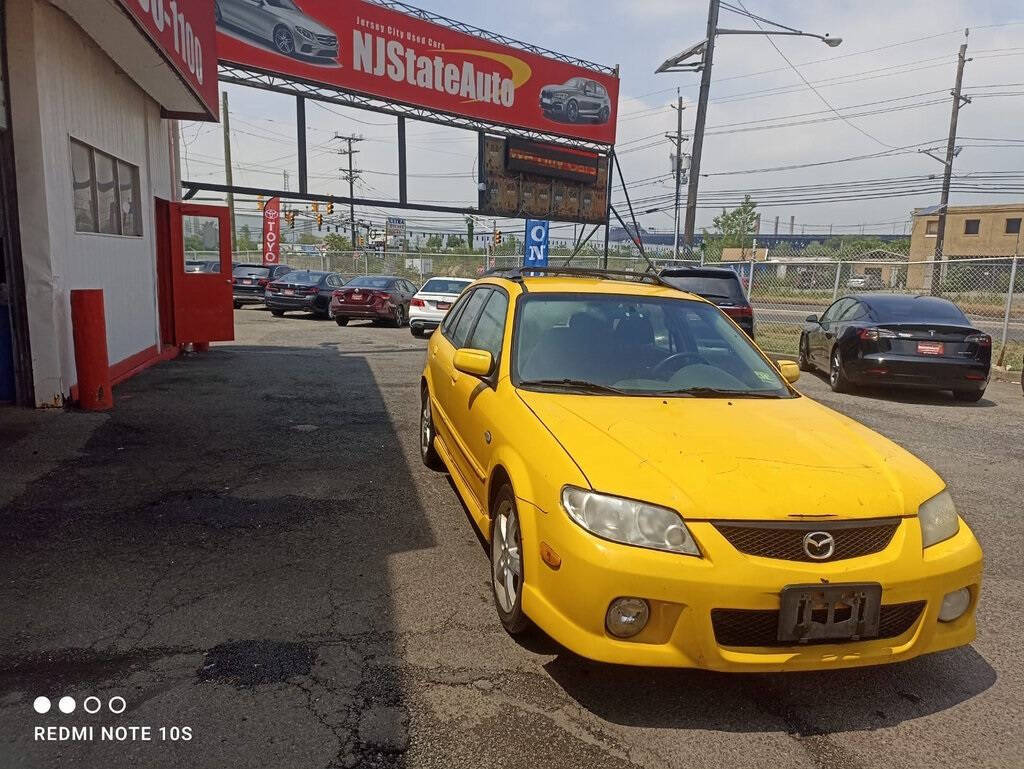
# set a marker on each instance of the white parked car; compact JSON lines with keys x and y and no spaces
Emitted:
{"x":427,"y":309}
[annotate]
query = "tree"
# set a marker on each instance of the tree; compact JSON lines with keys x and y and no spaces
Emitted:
{"x":194,"y":243}
{"x":434,"y":243}
{"x":454,"y":241}
{"x":735,"y":228}
{"x":308,"y":239}
{"x":336,"y":242}
{"x":470,"y":224}
{"x":244,"y":241}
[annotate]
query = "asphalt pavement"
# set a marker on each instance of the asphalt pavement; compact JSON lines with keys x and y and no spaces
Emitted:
{"x":249,"y":548}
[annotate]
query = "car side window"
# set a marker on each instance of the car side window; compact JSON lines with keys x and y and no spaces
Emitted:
{"x":853,"y":311}
{"x":452,"y":317}
{"x":490,"y":329}
{"x":833,"y":312}
{"x":467,"y":320}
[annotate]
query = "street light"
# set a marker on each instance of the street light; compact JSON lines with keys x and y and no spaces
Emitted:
{"x":687,"y":61}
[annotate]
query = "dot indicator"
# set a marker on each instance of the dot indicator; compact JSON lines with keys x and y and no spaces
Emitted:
{"x":66,"y":704}
{"x":41,"y":704}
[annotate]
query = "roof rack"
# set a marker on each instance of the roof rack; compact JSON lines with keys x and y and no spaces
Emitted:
{"x":518,"y":273}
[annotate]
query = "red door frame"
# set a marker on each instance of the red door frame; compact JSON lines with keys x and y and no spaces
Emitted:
{"x":194,"y":307}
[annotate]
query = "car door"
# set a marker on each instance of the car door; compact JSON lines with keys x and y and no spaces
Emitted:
{"x":821,"y":345}
{"x":454,"y":331}
{"x":474,"y":400}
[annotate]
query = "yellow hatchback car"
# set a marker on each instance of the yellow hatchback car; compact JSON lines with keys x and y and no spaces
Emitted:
{"x":655,"y":492}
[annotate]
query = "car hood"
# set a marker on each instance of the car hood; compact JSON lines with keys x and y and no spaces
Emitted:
{"x":749,"y":459}
{"x":300,"y":19}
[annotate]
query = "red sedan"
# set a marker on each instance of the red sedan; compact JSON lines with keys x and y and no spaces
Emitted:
{"x":377,"y":297}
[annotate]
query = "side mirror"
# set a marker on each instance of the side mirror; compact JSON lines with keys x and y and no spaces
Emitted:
{"x":789,"y":370}
{"x":477,"y":363}
{"x":812,"y":318}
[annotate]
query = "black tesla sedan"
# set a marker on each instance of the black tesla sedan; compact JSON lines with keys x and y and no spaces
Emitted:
{"x":894,"y":339}
{"x":308,"y":290}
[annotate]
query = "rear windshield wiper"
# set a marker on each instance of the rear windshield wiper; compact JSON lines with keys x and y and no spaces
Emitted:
{"x":714,"y":392}
{"x":573,"y":384}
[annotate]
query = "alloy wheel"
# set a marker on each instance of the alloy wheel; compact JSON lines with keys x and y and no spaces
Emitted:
{"x":833,"y":370}
{"x":284,"y":42}
{"x":506,"y":558}
{"x":572,"y":111}
{"x":426,"y":427}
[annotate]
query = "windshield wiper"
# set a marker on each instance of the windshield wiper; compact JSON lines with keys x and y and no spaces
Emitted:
{"x":573,"y":384}
{"x":714,"y":392}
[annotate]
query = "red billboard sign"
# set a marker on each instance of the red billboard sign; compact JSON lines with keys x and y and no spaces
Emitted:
{"x":365,"y":48}
{"x":272,"y":231}
{"x":185,"y":32}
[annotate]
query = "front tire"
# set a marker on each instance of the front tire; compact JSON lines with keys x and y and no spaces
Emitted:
{"x":237,"y":305}
{"x":417,"y":331}
{"x":572,"y":112}
{"x":341,"y":320}
{"x":804,"y":359}
{"x":428,"y":453}
{"x":277,"y":313}
{"x":602,"y":116}
{"x":283,"y":41}
{"x":507,"y":562}
{"x":969,"y":396}
{"x":836,"y":378}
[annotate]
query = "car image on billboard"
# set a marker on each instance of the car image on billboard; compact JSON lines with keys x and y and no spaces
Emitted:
{"x":280,"y":24}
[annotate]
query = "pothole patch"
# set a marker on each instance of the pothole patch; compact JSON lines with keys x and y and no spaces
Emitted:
{"x":250,"y":663}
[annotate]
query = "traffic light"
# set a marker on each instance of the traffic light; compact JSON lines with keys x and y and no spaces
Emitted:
{"x":319,"y":221}
{"x":316,"y":207}
{"x":259,"y":202}
{"x":330,"y":208}
{"x":497,"y":237}
{"x":290,"y":218}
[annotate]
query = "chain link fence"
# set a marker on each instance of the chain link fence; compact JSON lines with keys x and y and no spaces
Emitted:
{"x":784,"y":284}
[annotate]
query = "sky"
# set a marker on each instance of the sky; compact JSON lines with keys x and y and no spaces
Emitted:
{"x":890,"y":80}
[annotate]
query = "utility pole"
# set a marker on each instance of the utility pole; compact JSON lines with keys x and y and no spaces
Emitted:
{"x":226,"y":125}
{"x":677,"y":171}
{"x":698,"y":128}
{"x":351,"y":174}
{"x":958,"y":101}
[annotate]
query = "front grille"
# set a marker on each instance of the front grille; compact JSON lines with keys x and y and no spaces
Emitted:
{"x":328,"y":40}
{"x":759,"y":627}
{"x":785,"y":540}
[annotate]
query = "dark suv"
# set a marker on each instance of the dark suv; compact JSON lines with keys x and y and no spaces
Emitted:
{"x":249,"y":281}
{"x":720,"y":286}
{"x":576,"y":100}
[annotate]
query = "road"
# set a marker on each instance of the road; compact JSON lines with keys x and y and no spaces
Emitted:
{"x":795,"y":315}
{"x":249,"y":546}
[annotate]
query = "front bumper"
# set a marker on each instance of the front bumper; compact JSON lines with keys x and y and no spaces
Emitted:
{"x":917,"y":371}
{"x":570,"y":603}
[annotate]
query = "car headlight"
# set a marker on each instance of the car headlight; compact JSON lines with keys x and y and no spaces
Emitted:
{"x":304,"y":32}
{"x":628,"y":521}
{"x":938,"y":518}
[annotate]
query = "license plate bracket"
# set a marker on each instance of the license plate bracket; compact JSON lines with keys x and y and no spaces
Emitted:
{"x":847,"y":612}
{"x":931,"y":348}
{"x":444,"y":305}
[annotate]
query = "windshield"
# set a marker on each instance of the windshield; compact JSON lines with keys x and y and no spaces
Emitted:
{"x":716,"y":287}
{"x":444,"y":286}
{"x":637,"y":346}
{"x":244,"y":271}
{"x":368,"y":281}
{"x":288,"y":5}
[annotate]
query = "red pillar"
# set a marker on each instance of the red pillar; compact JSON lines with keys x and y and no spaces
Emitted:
{"x":89,"y":327}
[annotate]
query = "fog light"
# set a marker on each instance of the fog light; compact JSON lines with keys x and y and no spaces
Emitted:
{"x":954,"y":605}
{"x":627,"y":616}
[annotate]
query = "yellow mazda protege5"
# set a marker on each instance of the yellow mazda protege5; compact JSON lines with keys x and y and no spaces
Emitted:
{"x":655,"y":492}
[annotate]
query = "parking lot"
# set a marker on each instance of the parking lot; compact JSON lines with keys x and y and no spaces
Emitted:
{"x":249,"y":546}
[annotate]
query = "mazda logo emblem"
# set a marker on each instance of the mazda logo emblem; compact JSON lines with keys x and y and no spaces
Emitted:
{"x":819,"y":545}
